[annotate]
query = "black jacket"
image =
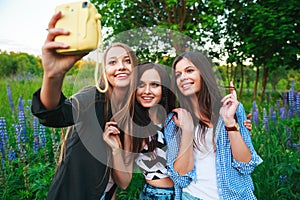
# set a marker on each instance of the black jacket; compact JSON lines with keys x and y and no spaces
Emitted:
{"x":83,"y":174}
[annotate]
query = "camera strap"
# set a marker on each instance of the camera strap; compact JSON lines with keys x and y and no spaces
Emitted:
{"x":99,"y":68}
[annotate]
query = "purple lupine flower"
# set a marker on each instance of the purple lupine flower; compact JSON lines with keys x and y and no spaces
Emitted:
{"x":289,"y":139}
{"x":290,"y":113}
{"x":36,"y":140}
{"x":19,"y":139}
{"x":283,"y":178}
{"x":11,"y":154}
{"x":291,"y":102}
{"x":296,"y":147}
{"x":253,"y":106}
{"x":265,"y":120}
{"x":22,"y":127}
{"x":297,"y":103}
{"x":255,"y":118}
{"x":42,"y":133}
{"x":255,"y":114}
{"x":10,"y":99}
{"x":278,"y":105}
{"x":18,"y":134}
{"x":282,"y":113}
{"x":274,"y":116}
{"x":3,"y":136}
{"x":21,"y":104}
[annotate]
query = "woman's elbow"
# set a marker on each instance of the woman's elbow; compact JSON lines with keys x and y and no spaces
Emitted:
{"x":124,"y":183}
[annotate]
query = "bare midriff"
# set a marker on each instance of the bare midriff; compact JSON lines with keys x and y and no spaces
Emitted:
{"x":163,"y":182}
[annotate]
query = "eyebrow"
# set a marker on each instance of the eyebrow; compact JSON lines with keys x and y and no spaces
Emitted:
{"x":185,"y":68}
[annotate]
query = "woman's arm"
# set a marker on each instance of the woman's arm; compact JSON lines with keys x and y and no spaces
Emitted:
{"x":173,"y":140}
{"x":239,"y":149}
{"x":122,"y":158}
{"x":55,"y":65}
{"x":184,"y":162}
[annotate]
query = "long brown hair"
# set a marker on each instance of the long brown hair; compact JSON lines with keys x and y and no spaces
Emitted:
{"x":134,"y":119}
{"x":209,"y":96}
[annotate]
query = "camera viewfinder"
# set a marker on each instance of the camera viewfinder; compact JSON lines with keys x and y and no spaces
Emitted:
{"x":84,"y":4}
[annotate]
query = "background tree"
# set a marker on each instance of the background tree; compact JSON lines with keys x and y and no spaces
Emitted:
{"x":198,"y":20}
{"x":12,"y":64}
{"x":268,"y":31}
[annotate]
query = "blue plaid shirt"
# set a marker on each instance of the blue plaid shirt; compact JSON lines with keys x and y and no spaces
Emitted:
{"x":233,"y":178}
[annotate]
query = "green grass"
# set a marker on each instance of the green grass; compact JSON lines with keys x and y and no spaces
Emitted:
{"x":29,"y":177}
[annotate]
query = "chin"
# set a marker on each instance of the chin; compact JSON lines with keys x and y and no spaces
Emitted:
{"x":122,"y":84}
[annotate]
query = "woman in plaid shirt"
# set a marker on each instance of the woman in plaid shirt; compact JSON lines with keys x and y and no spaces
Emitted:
{"x":210,"y":154}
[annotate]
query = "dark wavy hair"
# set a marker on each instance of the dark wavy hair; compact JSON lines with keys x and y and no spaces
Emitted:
{"x":134,"y":119}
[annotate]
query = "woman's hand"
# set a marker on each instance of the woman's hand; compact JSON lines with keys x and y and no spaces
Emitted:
{"x":184,"y":162}
{"x":229,"y":106}
{"x":248,"y":122}
{"x":54,"y":64}
{"x":183,"y":119}
{"x":111,"y":135}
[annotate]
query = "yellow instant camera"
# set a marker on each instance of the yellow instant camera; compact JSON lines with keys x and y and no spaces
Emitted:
{"x":83,"y":21}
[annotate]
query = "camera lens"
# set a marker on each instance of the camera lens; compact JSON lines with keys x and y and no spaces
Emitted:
{"x":84,"y":4}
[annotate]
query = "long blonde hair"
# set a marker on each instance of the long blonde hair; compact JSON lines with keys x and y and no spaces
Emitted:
{"x":101,"y":81}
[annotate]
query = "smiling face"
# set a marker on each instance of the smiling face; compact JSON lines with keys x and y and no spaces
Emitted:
{"x":188,"y":78}
{"x":118,"y":67}
{"x":149,"y":89}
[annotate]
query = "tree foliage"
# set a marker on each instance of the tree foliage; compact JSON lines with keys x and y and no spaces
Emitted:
{"x":267,"y":31}
{"x":195,"y":19}
{"x":12,"y":64}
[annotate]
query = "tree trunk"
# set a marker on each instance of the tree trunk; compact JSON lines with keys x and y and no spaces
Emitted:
{"x":255,"y":84}
{"x":227,"y":73}
{"x":242,"y":81}
{"x":264,"y":82}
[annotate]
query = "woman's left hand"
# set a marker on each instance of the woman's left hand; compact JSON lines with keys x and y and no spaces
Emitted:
{"x":111,"y":135}
{"x":229,"y":106}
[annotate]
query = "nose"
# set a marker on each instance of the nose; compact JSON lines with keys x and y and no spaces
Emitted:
{"x":183,"y":77}
{"x":147,"y":89}
{"x":121,"y":66}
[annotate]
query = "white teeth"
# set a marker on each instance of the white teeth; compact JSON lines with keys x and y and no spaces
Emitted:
{"x":121,"y":75}
{"x":147,"y":98}
{"x":185,"y":86}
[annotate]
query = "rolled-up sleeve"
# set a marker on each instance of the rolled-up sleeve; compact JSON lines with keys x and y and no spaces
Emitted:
{"x":61,"y":116}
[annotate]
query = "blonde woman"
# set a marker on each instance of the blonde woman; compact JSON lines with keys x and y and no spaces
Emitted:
{"x":84,"y":170}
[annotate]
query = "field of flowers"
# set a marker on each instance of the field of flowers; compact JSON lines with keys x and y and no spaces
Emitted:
{"x":29,"y":151}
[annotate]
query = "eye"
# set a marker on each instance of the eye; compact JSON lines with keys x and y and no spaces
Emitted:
{"x":141,"y":85}
{"x":128,"y":61}
{"x":111,"y":62}
{"x":190,"y":70}
{"x":177,"y":75}
{"x":155,"y":85}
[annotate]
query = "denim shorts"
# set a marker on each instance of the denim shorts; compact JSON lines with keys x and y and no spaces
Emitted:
{"x":150,"y":192}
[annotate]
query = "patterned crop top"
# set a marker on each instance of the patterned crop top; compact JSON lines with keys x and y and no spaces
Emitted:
{"x":153,"y":164}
